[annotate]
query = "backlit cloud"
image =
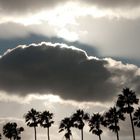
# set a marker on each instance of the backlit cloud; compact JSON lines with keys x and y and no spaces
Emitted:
{"x":65,"y":71}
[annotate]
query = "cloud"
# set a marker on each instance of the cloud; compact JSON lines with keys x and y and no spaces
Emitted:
{"x":114,"y":38}
{"x":65,"y":71}
{"x":9,"y":37}
{"x":29,"y":6}
{"x":115,"y":4}
{"x":56,"y":68}
{"x":124,"y":74}
{"x":73,"y":8}
{"x":9,"y":30}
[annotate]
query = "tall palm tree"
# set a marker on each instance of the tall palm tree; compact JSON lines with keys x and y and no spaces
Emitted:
{"x":111,"y":120}
{"x":95,"y":123}
{"x":45,"y":120}
{"x":10,"y":130}
{"x":66,"y":125}
{"x":79,"y":118}
{"x":125,"y":103}
{"x":136,"y":118}
{"x":32,"y":119}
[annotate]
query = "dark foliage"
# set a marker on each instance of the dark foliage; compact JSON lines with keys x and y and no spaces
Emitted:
{"x":126,"y":100}
{"x":136,"y":118}
{"x":79,"y":119}
{"x":65,"y":125}
{"x":95,"y":123}
{"x":10,"y":130}
{"x":112,"y":117}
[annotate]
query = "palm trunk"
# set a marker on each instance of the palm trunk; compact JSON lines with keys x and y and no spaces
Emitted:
{"x":117,"y":135}
{"x":81,"y":134}
{"x":99,"y":137}
{"x":133,"y":130}
{"x":48,"y":133}
{"x":35,"y":133}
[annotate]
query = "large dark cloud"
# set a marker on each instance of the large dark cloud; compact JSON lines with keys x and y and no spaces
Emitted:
{"x":65,"y":71}
{"x":58,"y":69}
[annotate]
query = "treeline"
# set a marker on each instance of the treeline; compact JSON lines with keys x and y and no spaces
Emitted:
{"x":110,"y":119}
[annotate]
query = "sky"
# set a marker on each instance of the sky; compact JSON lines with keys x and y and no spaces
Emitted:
{"x":67,"y":55}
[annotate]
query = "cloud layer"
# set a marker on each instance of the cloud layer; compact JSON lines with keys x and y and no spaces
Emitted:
{"x":65,"y":71}
{"x":115,"y":4}
{"x":30,"y":6}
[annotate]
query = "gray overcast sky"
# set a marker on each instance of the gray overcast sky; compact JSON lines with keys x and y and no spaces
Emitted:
{"x":105,"y":37}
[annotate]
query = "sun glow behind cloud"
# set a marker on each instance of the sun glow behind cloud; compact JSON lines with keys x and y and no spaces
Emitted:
{"x":63,"y":21}
{"x":61,"y":17}
{"x":66,"y":14}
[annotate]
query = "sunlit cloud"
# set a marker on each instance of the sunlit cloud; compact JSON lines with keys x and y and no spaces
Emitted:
{"x":68,"y":35}
{"x":27,"y":99}
{"x":67,"y":14}
{"x":49,"y":98}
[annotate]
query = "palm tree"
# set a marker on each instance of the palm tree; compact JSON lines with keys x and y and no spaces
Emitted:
{"x":136,"y":118}
{"x":32,"y":119}
{"x":79,"y":118}
{"x":111,"y":120}
{"x":95,"y":123}
{"x":45,"y":120}
{"x":10,"y":130}
{"x":125,"y":103}
{"x":66,"y":124}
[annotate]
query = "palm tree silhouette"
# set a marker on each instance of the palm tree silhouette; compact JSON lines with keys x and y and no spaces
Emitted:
{"x":32,"y":119}
{"x":136,"y":118}
{"x":125,"y":102}
{"x":95,"y":123}
{"x":111,"y":120}
{"x":10,"y":130}
{"x":79,"y":118}
{"x":66,"y":124}
{"x":45,"y":120}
